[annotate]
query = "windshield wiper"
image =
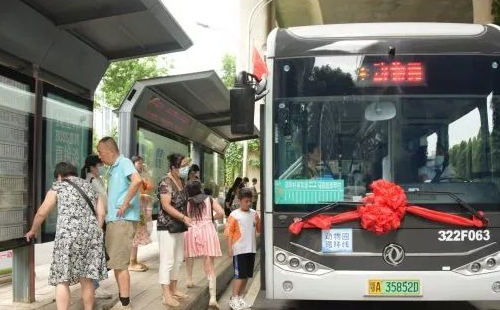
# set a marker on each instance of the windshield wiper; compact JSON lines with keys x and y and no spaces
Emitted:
{"x":331,"y":206}
{"x":462,"y":203}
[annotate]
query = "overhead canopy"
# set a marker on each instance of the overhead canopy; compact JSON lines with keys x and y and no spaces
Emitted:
{"x":291,"y":13}
{"x":194,"y":105}
{"x":76,"y":40}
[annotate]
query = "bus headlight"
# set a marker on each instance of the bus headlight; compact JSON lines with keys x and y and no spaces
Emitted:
{"x":483,"y":265}
{"x":309,"y":266}
{"x":491,"y":262}
{"x":294,"y":262}
{"x":281,"y":258}
{"x":475,"y":267}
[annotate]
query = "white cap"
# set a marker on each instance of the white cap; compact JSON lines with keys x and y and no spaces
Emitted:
{"x":423,"y":141}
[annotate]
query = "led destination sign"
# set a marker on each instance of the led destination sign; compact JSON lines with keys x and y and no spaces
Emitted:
{"x":391,"y":73}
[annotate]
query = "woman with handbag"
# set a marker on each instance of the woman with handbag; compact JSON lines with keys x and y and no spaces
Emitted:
{"x":78,"y":255}
{"x":171,"y":224}
{"x":201,"y":239}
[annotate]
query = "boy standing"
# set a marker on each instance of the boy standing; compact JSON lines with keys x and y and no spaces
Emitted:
{"x":242,"y":226}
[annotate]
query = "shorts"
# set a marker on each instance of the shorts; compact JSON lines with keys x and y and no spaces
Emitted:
{"x":118,"y":240}
{"x":243,"y":265}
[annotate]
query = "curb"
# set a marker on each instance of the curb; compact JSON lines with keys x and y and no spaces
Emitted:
{"x":200,"y":292}
{"x":105,"y":304}
{"x":5,"y":279}
{"x":225,"y":273}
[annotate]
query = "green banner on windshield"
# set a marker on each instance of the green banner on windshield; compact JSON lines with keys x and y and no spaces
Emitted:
{"x":308,"y":191}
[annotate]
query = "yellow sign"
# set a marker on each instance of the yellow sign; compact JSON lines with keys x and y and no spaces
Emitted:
{"x":374,"y":287}
{"x":398,"y":287}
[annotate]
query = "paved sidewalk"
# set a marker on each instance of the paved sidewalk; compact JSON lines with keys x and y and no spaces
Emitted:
{"x":145,"y":290}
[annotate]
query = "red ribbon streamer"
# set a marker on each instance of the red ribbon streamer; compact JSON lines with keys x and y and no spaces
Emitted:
{"x":383,"y":212}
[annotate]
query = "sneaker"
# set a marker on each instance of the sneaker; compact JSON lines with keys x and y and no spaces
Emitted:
{"x":234,"y":303}
{"x":101,"y":293}
{"x":242,"y":303}
{"x":119,"y":306}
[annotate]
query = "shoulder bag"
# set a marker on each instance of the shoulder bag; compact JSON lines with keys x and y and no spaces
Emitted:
{"x":82,"y":193}
{"x":174,"y":225}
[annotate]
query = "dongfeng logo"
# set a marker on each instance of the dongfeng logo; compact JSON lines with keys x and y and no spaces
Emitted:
{"x":393,"y":254}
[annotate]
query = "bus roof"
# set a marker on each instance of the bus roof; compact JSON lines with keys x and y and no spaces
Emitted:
{"x":387,"y":30}
{"x":376,"y":38}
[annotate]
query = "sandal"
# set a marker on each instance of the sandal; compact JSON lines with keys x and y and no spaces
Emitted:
{"x":138,"y":267}
{"x":170,"y":301}
{"x":180,"y":295}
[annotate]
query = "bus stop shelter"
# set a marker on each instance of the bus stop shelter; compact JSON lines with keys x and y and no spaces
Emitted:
{"x":53,"y":54}
{"x":194,"y":106}
{"x":186,"y":114}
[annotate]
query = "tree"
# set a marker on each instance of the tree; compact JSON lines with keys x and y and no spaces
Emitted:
{"x":228,"y":70}
{"x":234,"y":152}
{"x":495,"y":11}
{"x":121,"y":75}
{"x":495,"y":135}
{"x":254,"y":148}
{"x":233,"y":162}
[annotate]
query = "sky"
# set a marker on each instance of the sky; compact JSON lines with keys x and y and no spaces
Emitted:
{"x":209,"y":44}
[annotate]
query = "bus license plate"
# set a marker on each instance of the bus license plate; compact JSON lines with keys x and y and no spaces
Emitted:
{"x":394,"y":288}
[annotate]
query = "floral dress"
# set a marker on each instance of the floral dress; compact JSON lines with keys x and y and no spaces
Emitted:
{"x":143,"y":231}
{"x":78,"y":245}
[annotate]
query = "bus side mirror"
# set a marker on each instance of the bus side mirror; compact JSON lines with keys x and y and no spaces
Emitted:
{"x":241,"y":101}
{"x":247,"y":89}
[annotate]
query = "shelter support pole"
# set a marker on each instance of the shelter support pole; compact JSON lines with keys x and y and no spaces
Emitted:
{"x":23,"y":280}
{"x":23,"y":264}
{"x":482,"y":11}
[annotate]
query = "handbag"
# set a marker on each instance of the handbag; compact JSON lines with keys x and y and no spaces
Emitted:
{"x":91,"y":206}
{"x":175,"y":226}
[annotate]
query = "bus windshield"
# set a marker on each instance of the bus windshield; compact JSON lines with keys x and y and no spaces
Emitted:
{"x":425,"y":122}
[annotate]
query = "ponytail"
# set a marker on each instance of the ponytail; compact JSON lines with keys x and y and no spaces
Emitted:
{"x":83,"y":172}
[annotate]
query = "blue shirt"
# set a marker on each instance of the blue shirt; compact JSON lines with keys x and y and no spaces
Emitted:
{"x":118,"y":183}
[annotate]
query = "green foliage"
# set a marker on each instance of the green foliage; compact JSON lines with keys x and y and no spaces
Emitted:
{"x":114,"y":133}
{"x":495,"y":11}
{"x":254,"y":146}
{"x":479,"y":160}
{"x":495,"y":135}
{"x":234,"y":153}
{"x":335,"y":80}
{"x":233,"y":162}
{"x":228,"y":70}
{"x":254,"y":149}
{"x":121,"y":75}
{"x":95,"y":140}
{"x":5,"y":271}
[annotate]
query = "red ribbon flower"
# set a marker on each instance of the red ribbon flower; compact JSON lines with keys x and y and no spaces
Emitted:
{"x":382,"y":212}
